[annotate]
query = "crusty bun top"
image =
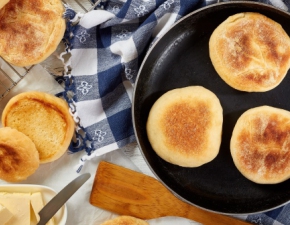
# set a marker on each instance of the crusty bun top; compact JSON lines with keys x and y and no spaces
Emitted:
{"x":250,"y":52}
{"x":260,"y":144}
{"x":44,"y":118}
{"x":184,"y":126}
{"x":125,"y":220}
{"x":18,"y":155}
{"x":30,"y":30}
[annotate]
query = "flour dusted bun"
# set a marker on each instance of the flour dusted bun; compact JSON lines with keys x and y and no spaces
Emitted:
{"x":18,"y":155}
{"x":250,"y":52}
{"x":125,"y":220}
{"x":184,"y":126}
{"x":44,"y":118}
{"x":30,"y":30}
{"x":260,"y":145}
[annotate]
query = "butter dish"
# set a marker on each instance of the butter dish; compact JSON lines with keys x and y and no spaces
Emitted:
{"x":47,"y":194}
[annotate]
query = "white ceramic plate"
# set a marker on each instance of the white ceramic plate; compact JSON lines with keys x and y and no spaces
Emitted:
{"x":47,"y":194}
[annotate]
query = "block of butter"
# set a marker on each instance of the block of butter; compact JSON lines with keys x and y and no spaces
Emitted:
{"x":23,"y":208}
{"x":37,"y":204}
{"x":5,"y":215}
{"x":19,"y":205}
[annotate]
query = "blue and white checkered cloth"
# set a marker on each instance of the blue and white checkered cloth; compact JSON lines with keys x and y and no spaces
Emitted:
{"x":106,"y":48}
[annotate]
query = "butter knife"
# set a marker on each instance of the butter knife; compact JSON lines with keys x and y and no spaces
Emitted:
{"x":51,"y":208}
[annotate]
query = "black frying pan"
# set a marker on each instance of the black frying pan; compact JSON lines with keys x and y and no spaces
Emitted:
{"x":181,"y":58}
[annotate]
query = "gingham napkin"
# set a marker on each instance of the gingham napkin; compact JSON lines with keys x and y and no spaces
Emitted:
{"x":106,"y":47}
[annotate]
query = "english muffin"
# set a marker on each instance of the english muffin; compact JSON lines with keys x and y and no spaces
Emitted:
{"x":44,"y":118}
{"x":250,"y":52}
{"x":19,"y":157}
{"x":184,"y":126}
{"x":125,"y":220}
{"x":30,"y":30}
{"x":260,"y":145}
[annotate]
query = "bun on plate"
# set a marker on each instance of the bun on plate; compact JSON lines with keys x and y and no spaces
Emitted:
{"x":260,"y":145}
{"x":184,"y":126}
{"x":18,"y":155}
{"x":250,"y":52}
{"x":44,"y":118}
{"x":30,"y":30}
{"x":125,"y":220}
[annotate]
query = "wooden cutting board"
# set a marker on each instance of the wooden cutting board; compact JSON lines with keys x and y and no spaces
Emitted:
{"x":127,"y":192}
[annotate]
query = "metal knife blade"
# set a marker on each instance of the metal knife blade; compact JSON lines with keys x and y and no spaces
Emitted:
{"x":50,"y":209}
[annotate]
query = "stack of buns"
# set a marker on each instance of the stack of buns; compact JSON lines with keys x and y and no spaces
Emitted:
{"x":30,"y":31}
{"x":45,"y":120}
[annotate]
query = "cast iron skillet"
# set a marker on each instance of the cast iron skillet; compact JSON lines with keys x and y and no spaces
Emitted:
{"x":181,"y":58}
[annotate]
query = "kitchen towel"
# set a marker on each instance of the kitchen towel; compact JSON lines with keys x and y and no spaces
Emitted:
{"x":106,"y":47}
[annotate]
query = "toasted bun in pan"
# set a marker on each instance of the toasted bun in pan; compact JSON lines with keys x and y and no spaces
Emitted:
{"x":125,"y":220}
{"x":260,"y":145}
{"x":30,"y":30}
{"x":250,"y":52}
{"x":184,"y":126}
{"x":18,"y":155}
{"x":44,"y":118}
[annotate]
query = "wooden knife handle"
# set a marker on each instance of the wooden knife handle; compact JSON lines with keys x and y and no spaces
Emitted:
{"x":127,"y":192}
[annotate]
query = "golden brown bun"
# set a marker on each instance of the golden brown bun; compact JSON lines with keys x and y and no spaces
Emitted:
{"x":44,"y":118}
{"x":30,"y":30}
{"x":184,"y":126}
{"x":260,"y":145}
{"x":18,"y":155}
{"x":250,"y":52}
{"x":3,"y":2}
{"x":125,"y":220}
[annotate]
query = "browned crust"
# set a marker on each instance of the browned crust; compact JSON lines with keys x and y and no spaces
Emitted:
{"x":250,"y":52}
{"x":44,"y":118}
{"x":30,"y":30}
{"x":260,"y":145}
{"x":18,"y":155}
{"x":184,"y":126}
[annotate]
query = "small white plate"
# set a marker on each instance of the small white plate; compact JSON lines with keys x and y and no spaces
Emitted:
{"x":47,"y":194}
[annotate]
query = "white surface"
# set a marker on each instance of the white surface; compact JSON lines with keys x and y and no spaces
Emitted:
{"x":46,"y":192}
